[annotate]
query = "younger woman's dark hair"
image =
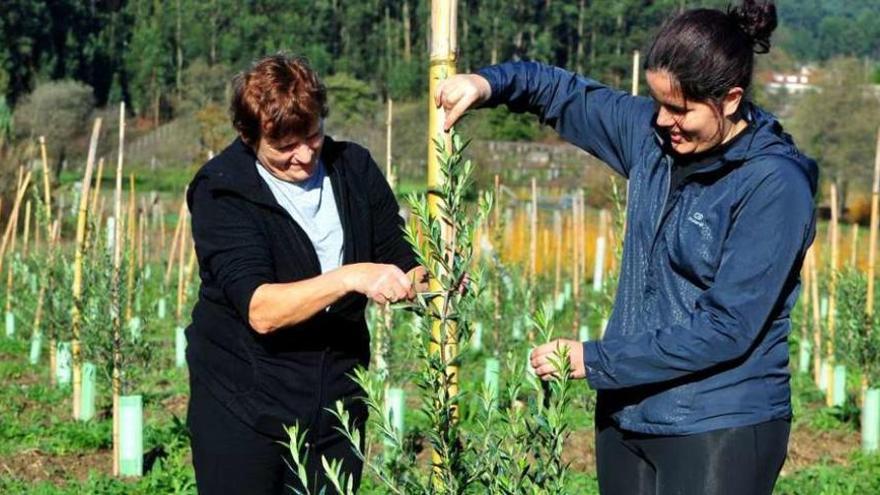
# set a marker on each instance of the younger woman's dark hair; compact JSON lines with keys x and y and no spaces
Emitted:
{"x":708,"y":52}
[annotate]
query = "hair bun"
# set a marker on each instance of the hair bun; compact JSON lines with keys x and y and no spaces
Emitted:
{"x":758,"y":20}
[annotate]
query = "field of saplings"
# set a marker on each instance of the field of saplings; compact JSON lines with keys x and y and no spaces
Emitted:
{"x":97,"y":278}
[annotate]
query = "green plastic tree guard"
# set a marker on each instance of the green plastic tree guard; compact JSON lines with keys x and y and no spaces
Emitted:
{"x":63,"y":362}
{"x":838,"y":392}
{"x":490,"y":376}
{"x":477,"y":336}
{"x":131,"y":431}
{"x":87,"y":396}
{"x":179,"y":347}
{"x":395,"y":407}
{"x":36,"y":347}
{"x":10,"y":324}
{"x":584,"y":333}
{"x":566,"y":290}
{"x":823,"y":376}
{"x":162,"y":310}
{"x":804,"y":355}
{"x":871,"y":421}
{"x":517,"y":329}
{"x":560,"y":302}
{"x":135,"y":325}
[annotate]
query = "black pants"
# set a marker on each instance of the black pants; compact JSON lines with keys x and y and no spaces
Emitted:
{"x":231,"y":458}
{"x":736,"y":461}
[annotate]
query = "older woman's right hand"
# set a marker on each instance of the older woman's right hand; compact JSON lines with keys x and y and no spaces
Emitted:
{"x":379,"y":282}
{"x":458,"y":94}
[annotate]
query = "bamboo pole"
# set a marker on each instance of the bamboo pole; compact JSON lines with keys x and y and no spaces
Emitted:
{"x":131,"y":230}
{"x":576,"y":256}
{"x":180,"y":270}
{"x":78,"y":266}
{"x":557,"y":234}
{"x":872,"y":249}
{"x":498,"y":241}
{"x":635,"y":73}
{"x":37,"y":236}
{"x":817,"y":315}
{"x":161,"y":227}
{"x":854,"y":244}
{"x":141,"y":238}
{"x":10,"y":272}
{"x":54,"y":235}
{"x":443,"y":49}
{"x":175,"y":242}
{"x":47,"y":189}
{"x":117,"y":266}
{"x":8,"y":235}
{"x":9,"y":279}
{"x":805,"y":314}
{"x":872,"y":240}
{"x":832,"y":292}
{"x":533,"y":238}
{"x":582,"y":232}
{"x":97,"y":193}
{"x":27,"y":228}
{"x":389,"y":121}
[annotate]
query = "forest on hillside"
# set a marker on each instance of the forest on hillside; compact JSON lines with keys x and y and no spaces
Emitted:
{"x":170,"y":61}
{"x":157,"y":55}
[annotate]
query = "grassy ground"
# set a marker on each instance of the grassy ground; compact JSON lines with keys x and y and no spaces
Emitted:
{"x":43,"y":452}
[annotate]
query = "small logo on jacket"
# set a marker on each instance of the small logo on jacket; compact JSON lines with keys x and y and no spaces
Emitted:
{"x":696,"y":218}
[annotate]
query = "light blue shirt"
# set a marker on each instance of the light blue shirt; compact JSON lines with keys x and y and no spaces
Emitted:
{"x":312,"y":206}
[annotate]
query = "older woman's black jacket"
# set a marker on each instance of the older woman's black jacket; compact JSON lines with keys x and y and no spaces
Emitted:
{"x":243,"y":239}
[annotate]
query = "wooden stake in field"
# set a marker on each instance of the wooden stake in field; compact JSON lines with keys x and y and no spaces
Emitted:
{"x":576,"y":256}
{"x":875,"y":220}
{"x":817,"y":315}
{"x":805,"y":315}
{"x":557,"y":234}
{"x":27,"y":228}
{"x":497,"y":241}
{"x":872,"y":247}
{"x":9,"y":233}
{"x":131,"y":241}
{"x":854,"y":245}
{"x":533,"y":239}
{"x":50,"y":241}
{"x":175,"y":242}
{"x":47,"y":189}
{"x":82,"y":216}
{"x":832,"y":293}
{"x":601,"y":247}
{"x":181,"y":299}
{"x":389,"y":174}
{"x":97,"y":192}
{"x":442,"y":65}
{"x":635,"y":73}
{"x":115,"y":284}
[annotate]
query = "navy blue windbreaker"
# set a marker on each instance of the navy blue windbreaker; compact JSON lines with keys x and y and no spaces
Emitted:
{"x":697,"y":339}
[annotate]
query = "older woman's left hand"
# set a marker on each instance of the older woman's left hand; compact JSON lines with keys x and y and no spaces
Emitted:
{"x":542,"y":358}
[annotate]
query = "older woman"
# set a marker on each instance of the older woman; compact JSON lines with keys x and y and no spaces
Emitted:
{"x":294,"y":232}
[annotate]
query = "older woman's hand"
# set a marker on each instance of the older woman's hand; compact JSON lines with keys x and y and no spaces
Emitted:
{"x":381,"y":283}
{"x":460,"y":93}
{"x":542,"y":358}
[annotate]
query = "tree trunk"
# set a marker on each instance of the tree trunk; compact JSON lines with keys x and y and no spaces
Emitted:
{"x":579,"y":65}
{"x":407,"y":41}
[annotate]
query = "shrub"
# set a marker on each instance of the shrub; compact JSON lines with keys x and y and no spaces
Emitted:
{"x":58,"y":110}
